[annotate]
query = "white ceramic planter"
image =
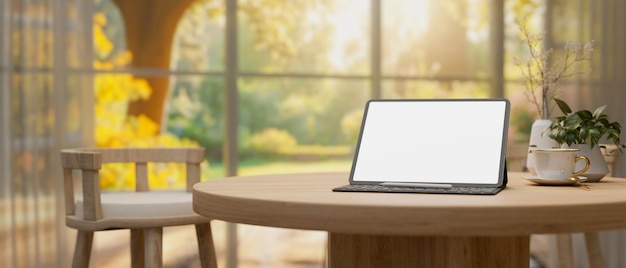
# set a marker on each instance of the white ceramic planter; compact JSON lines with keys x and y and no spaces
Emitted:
{"x":538,"y":141}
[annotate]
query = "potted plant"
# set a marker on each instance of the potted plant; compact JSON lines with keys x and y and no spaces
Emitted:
{"x":542,"y":73}
{"x":584,"y":130}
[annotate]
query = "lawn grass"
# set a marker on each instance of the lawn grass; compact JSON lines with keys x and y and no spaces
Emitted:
{"x":260,"y":166}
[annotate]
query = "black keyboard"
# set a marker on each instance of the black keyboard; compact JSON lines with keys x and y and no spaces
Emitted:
{"x":375,"y":188}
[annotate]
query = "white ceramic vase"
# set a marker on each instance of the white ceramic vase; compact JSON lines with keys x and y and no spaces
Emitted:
{"x":598,"y":168}
{"x":538,"y":141}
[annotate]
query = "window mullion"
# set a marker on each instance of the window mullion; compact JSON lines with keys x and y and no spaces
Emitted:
{"x":231,"y":108}
{"x":375,"y":50}
{"x":231,"y":97}
{"x":496,"y":26}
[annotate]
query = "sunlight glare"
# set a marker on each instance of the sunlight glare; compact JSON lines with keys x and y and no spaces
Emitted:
{"x":408,"y":19}
{"x":348,"y":25}
{"x":351,"y":30}
{"x":415,"y":13}
{"x":475,"y":31}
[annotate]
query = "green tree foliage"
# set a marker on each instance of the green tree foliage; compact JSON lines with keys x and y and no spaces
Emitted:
{"x":196,"y":114}
{"x":272,"y":39}
{"x":310,"y":112}
{"x":271,"y":141}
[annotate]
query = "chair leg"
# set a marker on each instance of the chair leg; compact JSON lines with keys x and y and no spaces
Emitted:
{"x":206,"y":249}
{"x":594,"y":253}
{"x":137,"y":251}
{"x":82,"y":250}
{"x":565,"y":250}
{"x":325,"y":260}
{"x":153,"y":245}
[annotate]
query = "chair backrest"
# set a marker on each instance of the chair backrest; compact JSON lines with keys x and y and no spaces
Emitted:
{"x":89,"y":162}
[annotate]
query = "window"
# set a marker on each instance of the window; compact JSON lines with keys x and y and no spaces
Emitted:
{"x":284,"y":89}
{"x":305,"y":69}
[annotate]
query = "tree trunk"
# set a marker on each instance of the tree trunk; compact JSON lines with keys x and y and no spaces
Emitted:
{"x":150,"y":27}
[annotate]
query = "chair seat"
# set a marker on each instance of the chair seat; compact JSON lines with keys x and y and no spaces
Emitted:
{"x":155,"y":204}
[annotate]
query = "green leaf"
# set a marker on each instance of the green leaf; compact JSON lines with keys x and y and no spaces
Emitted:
{"x":570,"y":138}
{"x":561,"y":135}
{"x":572,"y":122}
{"x":563,"y":106}
{"x":585,"y":114}
{"x":584,"y":132}
{"x":594,"y":141}
{"x":612,"y":133}
{"x":599,"y":111}
{"x":615,"y":125}
{"x":595,"y":133}
{"x":603,"y":122}
{"x":552,"y":134}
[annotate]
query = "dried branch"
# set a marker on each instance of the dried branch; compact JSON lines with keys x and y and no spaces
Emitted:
{"x":539,"y":75}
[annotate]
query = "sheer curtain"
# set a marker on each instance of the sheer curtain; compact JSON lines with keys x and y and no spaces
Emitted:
{"x":610,"y":22}
{"x":45,"y":106}
{"x":605,"y":23}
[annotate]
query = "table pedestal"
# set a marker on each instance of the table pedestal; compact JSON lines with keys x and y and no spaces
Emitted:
{"x":352,"y":250}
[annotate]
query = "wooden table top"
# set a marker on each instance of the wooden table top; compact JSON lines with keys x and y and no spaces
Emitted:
{"x":306,"y":201}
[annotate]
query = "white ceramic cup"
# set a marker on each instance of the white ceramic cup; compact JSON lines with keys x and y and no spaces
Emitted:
{"x":558,"y":164}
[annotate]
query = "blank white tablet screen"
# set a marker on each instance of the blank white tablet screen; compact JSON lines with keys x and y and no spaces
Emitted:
{"x":432,"y":141}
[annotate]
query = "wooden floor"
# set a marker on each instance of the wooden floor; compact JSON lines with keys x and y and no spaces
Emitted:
{"x":258,"y":247}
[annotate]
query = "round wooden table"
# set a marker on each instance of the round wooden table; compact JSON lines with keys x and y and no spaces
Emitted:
{"x":416,"y":230}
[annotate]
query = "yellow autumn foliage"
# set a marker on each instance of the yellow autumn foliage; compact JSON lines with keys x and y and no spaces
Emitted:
{"x":115,"y":128}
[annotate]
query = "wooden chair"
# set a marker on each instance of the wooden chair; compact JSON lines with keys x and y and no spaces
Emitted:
{"x":142,"y":211}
